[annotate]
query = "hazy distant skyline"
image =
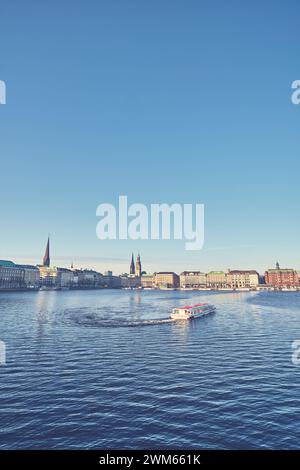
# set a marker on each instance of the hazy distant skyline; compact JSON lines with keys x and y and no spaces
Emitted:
{"x":121,"y":265}
{"x":163,"y":102}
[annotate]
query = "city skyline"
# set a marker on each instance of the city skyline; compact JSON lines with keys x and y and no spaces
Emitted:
{"x":134,"y":266}
{"x":46,"y":276}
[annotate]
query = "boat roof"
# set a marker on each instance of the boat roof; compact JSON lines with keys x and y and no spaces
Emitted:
{"x":193,"y":306}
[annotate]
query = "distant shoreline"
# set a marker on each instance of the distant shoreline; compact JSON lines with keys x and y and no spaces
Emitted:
{"x":241,"y":290}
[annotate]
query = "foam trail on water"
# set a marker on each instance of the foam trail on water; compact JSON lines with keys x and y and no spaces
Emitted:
{"x":83,"y":318}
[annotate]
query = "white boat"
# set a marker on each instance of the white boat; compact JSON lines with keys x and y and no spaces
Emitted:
{"x":192,"y":311}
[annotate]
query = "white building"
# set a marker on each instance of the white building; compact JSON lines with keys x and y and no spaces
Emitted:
{"x":148,"y":281}
{"x":238,"y":279}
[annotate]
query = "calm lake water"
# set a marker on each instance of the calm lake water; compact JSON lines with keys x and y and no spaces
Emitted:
{"x":105,"y":369}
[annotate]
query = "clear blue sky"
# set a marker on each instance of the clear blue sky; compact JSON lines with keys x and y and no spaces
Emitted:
{"x":164,"y":101}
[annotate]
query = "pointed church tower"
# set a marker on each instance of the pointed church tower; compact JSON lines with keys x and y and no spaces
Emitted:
{"x":46,"y":259}
{"x":132,"y":266}
{"x":138,"y":267}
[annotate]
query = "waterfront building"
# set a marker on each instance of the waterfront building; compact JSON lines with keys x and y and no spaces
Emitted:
{"x":31,"y":276}
{"x":281,"y":277}
{"x":18,"y":276}
{"x":147,"y":281}
{"x":65,"y":278}
{"x":216,"y":279}
{"x":132,"y":265}
{"x":193,"y":279}
{"x":138,"y":266}
{"x":87,"y":279}
{"x":48,"y":276}
{"x":238,"y":279}
{"x":54,"y":277}
{"x":166,"y":280}
{"x":11,"y":276}
{"x":110,"y":281}
{"x":130,"y":281}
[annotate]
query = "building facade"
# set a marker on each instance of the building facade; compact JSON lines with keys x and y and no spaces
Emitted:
{"x":48,"y":276}
{"x":238,"y":279}
{"x":130,"y":281}
{"x":18,"y":276}
{"x":65,"y":278}
{"x":31,"y":276}
{"x":166,"y":280}
{"x":148,"y":281}
{"x":87,"y":279}
{"x":281,"y":277}
{"x":216,"y":279}
{"x":11,"y":276}
{"x":193,"y":279}
{"x":110,"y":281}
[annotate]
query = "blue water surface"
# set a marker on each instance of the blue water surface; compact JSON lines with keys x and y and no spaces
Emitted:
{"x":107,"y":369}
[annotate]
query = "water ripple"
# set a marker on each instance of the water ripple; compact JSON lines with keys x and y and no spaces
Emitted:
{"x":83,"y":372}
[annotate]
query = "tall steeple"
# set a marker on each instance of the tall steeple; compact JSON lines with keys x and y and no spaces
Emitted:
{"x":277,"y":265}
{"x":132,"y":266}
{"x":46,"y":259}
{"x":138,"y":267}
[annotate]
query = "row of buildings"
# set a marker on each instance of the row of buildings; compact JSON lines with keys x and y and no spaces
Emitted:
{"x":44,"y":276}
{"x":232,"y":279}
{"x":17,"y":276}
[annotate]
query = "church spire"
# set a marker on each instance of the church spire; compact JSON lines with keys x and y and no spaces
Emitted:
{"x":132,"y":266}
{"x":46,"y":259}
{"x":138,"y":267}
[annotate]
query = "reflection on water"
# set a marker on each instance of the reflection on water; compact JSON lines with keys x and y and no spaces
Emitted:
{"x":104,"y":369}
